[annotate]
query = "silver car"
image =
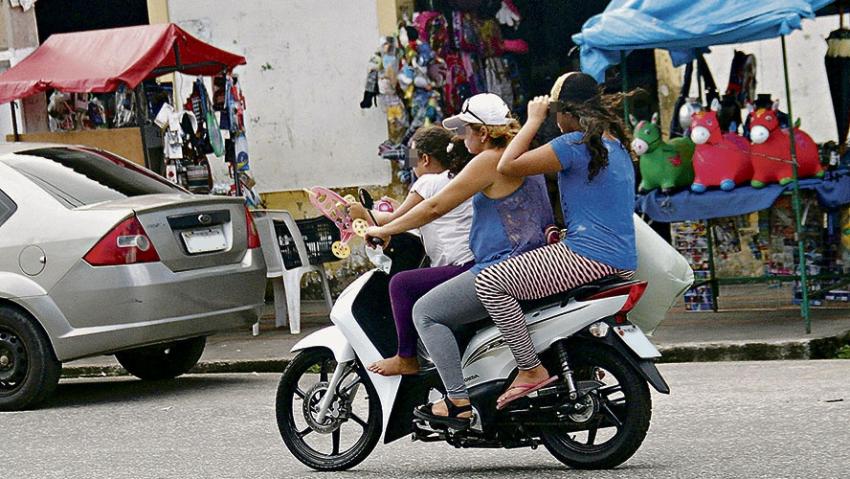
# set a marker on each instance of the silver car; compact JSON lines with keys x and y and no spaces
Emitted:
{"x":100,"y":256}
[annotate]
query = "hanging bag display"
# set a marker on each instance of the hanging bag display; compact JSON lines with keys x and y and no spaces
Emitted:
{"x":679,"y":122}
{"x":216,"y":140}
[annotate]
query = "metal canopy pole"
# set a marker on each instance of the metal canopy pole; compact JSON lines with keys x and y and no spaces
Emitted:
{"x":804,"y":305}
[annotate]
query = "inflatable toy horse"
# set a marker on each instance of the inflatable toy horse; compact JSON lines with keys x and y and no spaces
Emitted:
{"x":720,"y":159}
{"x":770,"y":152}
{"x":665,"y":165}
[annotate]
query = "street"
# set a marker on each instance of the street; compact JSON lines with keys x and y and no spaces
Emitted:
{"x":747,"y":419}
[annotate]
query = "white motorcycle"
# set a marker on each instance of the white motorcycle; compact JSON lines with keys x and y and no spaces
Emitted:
{"x":332,"y":412}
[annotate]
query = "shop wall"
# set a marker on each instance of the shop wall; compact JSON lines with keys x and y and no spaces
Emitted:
{"x":18,"y":39}
{"x":304,"y":80}
{"x":809,"y":87}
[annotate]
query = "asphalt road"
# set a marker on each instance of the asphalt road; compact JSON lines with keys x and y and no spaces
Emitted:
{"x":752,"y":420}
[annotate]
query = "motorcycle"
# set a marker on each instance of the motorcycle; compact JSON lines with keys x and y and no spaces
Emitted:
{"x":332,"y":412}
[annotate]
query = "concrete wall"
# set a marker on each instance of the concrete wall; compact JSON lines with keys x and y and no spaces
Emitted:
{"x":809,"y":88}
{"x":304,"y":81}
{"x":18,"y":38}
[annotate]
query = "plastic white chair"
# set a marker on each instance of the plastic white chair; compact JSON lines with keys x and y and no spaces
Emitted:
{"x":286,"y":282}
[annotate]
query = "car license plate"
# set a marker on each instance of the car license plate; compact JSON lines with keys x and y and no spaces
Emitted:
{"x":204,"y":240}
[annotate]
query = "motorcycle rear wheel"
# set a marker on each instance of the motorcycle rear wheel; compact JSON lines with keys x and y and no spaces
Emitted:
{"x":302,"y":381}
{"x":625,"y":396}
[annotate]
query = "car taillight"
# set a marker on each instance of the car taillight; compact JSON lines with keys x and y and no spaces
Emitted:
{"x":634,"y":290}
{"x":127,"y":243}
{"x":253,"y":234}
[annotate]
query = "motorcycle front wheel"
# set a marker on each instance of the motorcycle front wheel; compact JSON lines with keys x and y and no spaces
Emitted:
{"x":617,"y":422}
{"x":352,"y":426}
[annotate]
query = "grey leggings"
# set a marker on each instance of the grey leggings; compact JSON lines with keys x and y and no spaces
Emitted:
{"x":444,"y":308}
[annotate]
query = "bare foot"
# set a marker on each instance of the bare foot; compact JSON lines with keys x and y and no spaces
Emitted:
{"x":394,"y":366}
{"x":531,"y":376}
{"x":440,"y":409}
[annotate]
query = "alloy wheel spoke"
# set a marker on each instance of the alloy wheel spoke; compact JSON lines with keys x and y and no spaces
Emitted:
{"x":335,"y":440}
{"x":610,"y":415}
{"x":358,"y":420}
{"x":303,"y":433}
{"x":299,"y":392}
{"x":345,"y":390}
{"x":609,"y":390}
{"x":591,"y":433}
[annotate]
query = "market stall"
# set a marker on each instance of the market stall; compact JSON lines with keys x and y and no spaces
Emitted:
{"x":447,"y":51}
{"x":142,"y":125}
{"x":730,"y":174}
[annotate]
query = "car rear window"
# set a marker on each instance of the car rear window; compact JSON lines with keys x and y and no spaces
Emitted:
{"x":80,"y":176}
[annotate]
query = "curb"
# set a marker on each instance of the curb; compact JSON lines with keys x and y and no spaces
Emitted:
{"x":204,"y":367}
{"x":820,"y":348}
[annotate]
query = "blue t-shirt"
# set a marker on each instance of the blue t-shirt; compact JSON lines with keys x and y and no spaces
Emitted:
{"x":598,"y":214}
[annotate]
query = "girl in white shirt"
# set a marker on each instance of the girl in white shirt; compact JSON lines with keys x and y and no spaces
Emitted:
{"x":438,"y":158}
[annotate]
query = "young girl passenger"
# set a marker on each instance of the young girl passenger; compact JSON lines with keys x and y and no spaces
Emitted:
{"x":437,"y":159}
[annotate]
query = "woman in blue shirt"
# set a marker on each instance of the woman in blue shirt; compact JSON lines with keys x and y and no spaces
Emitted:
{"x":597,"y":183}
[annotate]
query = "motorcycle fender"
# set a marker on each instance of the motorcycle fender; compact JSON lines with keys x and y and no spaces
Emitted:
{"x":330,"y":338}
{"x":644,"y":366}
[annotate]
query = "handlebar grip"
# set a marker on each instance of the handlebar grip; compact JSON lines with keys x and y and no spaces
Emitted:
{"x":376,"y":241}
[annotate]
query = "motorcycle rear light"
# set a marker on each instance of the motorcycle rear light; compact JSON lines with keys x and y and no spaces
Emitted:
{"x":253,"y":234}
{"x":634,"y":290}
{"x":127,"y":243}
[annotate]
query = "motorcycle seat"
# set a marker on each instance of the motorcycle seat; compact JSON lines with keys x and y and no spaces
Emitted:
{"x":578,"y":293}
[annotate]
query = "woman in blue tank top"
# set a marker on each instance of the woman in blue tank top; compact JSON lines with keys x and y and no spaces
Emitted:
{"x":510,"y":215}
{"x":597,"y":184}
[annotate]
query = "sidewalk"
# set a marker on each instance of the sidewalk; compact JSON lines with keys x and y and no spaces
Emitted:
{"x":682,"y":337}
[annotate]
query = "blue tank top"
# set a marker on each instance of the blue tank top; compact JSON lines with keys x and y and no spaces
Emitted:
{"x":509,"y":226}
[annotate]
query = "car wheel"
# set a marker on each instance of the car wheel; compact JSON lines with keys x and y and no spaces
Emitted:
{"x":29,"y":370}
{"x":162,"y":361}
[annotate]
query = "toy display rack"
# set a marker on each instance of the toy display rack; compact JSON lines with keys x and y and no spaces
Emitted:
{"x":803,"y":277}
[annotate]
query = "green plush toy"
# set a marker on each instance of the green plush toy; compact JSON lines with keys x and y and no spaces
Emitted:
{"x":664,"y":165}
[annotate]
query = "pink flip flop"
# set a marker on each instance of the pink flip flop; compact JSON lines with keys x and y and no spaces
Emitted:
{"x":525,"y":390}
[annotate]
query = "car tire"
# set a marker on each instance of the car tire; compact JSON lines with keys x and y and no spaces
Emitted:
{"x":162,"y":361}
{"x":29,"y":370}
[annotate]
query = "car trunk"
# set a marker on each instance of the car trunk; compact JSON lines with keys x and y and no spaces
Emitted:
{"x":189,"y":232}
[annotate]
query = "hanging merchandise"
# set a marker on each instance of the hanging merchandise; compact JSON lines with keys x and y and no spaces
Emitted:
{"x":742,"y":78}
{"x":838,"y":74}
{"x":240,"y":145}
{"x":60,"y":114}
{"x":125,"y":108}
{"x":216,"y":140}
{"x":686,"y":105}
{"x":432,"y":65}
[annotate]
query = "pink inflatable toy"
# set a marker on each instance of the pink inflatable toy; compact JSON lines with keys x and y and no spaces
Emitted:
{"x":720,"y":159}
{"x":770,"y":152}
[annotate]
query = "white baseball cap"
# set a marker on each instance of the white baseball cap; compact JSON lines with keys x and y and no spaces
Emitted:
{"x":482,"y":109}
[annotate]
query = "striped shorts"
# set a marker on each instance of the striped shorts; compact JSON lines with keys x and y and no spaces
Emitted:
{"x":536,"y":274}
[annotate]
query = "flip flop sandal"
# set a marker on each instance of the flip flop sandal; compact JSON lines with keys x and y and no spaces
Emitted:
{"x":426,"y":413}
{"x":525,"y":390}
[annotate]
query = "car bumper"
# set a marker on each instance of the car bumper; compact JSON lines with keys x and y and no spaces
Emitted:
{"x":106,"y":309}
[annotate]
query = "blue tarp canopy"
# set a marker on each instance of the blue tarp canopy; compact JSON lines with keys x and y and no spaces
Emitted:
{"x":681,"y":26}
{"x":832,"y":191}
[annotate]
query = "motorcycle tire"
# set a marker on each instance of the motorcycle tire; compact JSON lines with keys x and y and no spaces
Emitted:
{"x":305,"y":363}
{"x":636,"y":413}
